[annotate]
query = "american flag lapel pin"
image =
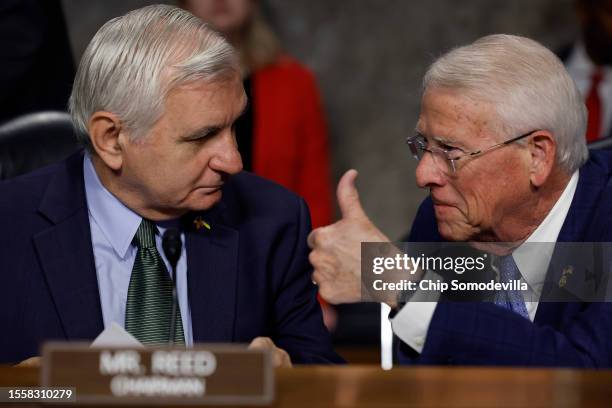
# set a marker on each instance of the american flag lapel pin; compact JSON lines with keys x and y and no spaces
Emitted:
{"x":199,"y":223}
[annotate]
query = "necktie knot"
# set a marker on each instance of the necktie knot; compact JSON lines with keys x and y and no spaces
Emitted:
{"x":145,"y":235}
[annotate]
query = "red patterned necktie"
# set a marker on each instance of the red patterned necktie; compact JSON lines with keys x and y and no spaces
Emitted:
{"x":593,"y":104}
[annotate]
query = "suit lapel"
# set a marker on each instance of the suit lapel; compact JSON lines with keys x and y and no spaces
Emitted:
{"x":581,"y":223}
{"x":66,"y":254}
{"x":212,"y":276}
{"x":577,"y":227}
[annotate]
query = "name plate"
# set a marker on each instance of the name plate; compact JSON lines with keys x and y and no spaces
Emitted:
{"x":203,"y":375}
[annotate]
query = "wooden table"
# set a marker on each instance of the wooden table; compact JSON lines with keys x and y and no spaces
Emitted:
{"x":369,"y":386}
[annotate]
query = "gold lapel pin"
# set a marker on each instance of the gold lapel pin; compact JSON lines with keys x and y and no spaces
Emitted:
{"x":200,"y":223}
{"x":567,"y":271}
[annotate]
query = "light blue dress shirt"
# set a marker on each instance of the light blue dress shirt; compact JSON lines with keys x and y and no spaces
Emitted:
{"x":113,"y":226}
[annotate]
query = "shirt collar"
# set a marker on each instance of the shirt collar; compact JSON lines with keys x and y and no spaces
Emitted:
{"x":532,"y":259}
{"x":116,"y":221}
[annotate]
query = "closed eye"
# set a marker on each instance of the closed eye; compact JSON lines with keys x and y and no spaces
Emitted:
{"x":448,"y":148}
{"x":452,"y":152}
{"x":203,"y":136}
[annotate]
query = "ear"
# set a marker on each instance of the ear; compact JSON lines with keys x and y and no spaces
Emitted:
{"x":106,"y":134}
{"x":542,"y":149}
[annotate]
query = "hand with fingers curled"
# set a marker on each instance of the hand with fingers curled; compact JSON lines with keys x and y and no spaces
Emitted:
{"x":280,"y":357}
{"x":336,"y":248}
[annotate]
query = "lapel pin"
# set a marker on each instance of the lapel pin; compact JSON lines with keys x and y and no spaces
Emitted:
{"x":567,"y":271}
{"x":200,"y":223}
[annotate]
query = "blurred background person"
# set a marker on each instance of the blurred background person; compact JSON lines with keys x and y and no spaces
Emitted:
{"x":589,"y":60}
{"x":282,"y":135}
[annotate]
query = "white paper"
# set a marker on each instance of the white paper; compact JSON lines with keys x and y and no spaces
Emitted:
{"x":115,"y":336}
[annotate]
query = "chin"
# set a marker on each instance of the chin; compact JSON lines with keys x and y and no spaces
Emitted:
{"x":452,"y":232}
{"x":204,"y":201}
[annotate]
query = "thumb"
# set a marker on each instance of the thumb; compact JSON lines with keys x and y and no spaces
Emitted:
{"x":348,"y":196}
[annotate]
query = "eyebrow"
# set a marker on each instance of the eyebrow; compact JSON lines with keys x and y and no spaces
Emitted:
{"x":201,"y":133}
{"x":208,"y":130}
{"x":447,"y":141}
{"x":440,"y":139}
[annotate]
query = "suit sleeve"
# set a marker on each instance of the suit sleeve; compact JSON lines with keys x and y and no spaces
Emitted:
{"x":482,"y":333}
{"x":474,"y":333}
{"x":299,"y":323}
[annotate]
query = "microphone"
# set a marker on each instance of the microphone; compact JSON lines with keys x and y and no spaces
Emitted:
{"x":172,"y":245}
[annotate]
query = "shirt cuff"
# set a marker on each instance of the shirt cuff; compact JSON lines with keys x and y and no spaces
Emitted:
{"x":411,"y":323}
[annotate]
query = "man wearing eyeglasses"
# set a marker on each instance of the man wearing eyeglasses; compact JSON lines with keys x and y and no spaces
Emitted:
{"x":501,"y":148}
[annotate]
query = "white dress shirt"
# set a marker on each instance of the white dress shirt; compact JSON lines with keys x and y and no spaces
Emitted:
{"x":411,"y":323}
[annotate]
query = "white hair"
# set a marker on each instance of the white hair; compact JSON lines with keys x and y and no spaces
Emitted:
{"x":134,"y":60}
{"x":526,"y":84}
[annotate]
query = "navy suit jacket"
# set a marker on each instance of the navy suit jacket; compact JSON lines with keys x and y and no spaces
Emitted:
{"x":248,"y":276}
{"x":571,"y":334}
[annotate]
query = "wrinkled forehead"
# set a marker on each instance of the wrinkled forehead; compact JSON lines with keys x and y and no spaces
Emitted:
{"x":205,"y":104}
{"x":457,"y":115}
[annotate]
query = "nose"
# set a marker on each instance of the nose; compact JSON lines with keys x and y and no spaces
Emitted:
{"x":428,"y":174}
{"x":226,"y":158}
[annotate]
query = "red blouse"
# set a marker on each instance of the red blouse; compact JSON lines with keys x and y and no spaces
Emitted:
{"x":290,"y":143}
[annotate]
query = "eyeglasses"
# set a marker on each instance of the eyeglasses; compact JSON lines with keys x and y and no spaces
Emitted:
{"x":446,"y":159}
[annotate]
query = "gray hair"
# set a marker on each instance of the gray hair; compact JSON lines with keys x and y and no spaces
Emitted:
{"x":526,"y":84}
{"x":134,"y":60}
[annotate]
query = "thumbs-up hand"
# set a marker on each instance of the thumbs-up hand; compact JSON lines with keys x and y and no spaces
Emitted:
{"x":336,"y":248}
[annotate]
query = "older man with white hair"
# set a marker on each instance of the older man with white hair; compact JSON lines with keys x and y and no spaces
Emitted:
{"x":154,"y":101}
{"x":500,"y":145}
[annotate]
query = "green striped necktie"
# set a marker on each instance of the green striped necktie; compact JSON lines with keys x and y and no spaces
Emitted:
{"x":149,"y":299}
